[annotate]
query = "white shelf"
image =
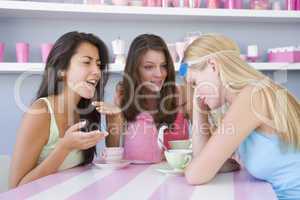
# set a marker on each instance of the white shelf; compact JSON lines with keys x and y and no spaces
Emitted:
{"x":39,"y":67}
{"x":27,"y":9}
{"x":276,"y":66}
{"x":115,"y":68}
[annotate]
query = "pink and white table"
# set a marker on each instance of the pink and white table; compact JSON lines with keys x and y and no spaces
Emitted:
{"x":139,"y":182}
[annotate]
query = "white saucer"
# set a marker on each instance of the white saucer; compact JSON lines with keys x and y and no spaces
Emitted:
{"x":111,"y":165}
{"x":167,"y":169}
{"x":140,"y":162}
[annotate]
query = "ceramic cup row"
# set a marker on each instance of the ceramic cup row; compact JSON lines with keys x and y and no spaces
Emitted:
{"x":23,"y":51}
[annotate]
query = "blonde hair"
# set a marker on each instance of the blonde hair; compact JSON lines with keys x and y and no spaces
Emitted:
{"x":235,"y":74}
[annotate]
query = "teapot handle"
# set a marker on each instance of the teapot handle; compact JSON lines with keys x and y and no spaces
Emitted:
{"x":160,"y":137}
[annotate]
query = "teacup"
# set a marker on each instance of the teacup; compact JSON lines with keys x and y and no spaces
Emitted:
{"x":180,"y":144}
{"x":113,"y":154}
{"x":178,"y":158}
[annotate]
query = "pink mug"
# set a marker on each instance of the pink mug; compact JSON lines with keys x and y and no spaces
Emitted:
{"x":159,"y":3}
{"x":213,"y":4}
{"x":187,"y":3}
{"x":22,"y":52}
{"x":233,"y":4}
{"x":290,"y":4}
{"x":149,"y":3}
{"x":2,"y":46}
{"x":112,"y":154}
{"x":45,"y":50}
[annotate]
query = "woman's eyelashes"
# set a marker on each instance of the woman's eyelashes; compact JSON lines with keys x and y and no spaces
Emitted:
{"x":150,"y":67}
{"x":87,"y":63}
{"x":164,"y":66}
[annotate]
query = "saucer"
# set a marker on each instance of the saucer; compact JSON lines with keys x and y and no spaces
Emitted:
{"x":167,"y":169}
{"x":111,"y":165}
{"x":140,"y":162}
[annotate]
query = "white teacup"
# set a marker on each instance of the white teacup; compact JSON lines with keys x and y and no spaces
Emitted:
{"x":180,"y":144}
{"x":113,"y":154}
{"x":178,"y":158}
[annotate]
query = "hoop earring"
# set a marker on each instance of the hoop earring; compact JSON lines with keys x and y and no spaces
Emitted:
{"x":61,"y":75}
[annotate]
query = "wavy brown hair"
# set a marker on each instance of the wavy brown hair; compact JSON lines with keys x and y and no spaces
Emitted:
{"x":166,"y":112}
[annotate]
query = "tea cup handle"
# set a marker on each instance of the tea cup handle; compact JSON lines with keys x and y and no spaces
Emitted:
{"x":191,"y":144}
{"x":160,"y":137}
{"x":103,"y":155}
{"x":188,"y":159}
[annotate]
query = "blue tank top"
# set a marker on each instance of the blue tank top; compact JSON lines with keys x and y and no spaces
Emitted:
{"x":264,"y":158}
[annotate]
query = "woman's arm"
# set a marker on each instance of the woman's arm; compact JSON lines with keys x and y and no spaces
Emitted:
{"x":114,"y":117}
{"x":235,"y":127}
{"x":32,"y":136}
{"x":200,"y":126}
{"x":115,"y":127}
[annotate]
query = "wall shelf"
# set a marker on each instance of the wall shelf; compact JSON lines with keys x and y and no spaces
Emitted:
{"x":115,"y":68}
{"x":27,"y":9}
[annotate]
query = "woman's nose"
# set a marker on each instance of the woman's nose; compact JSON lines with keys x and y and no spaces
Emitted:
{"x":96,"y":69}
{"x":158,"y":71}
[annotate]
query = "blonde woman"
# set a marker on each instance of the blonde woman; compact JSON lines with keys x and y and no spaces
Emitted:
{"x":262,"y":122}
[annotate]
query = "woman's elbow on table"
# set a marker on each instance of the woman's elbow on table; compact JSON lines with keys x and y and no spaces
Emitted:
{"x":197,"y":178}
{"x":14,"y":181}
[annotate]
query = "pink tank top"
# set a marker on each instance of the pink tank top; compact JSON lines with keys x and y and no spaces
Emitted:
{"x":140,"y":142}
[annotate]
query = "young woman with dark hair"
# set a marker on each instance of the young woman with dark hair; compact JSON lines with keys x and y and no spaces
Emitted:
{"x":61,"y":128}
{"x":148,"y":98}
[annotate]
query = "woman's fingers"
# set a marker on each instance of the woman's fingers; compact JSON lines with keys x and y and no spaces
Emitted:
{"x":89,"y":139}
{"x":97,"y":103}
{"x":106,"y":108}
{"x":76,"y":127}
{"x":96,"y":134}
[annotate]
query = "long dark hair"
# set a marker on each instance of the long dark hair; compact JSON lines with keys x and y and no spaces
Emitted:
{"x":59,"y":60}
{"x":138,"y":48}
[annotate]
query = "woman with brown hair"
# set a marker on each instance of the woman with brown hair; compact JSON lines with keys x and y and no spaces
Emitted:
{"x":149,"y":98}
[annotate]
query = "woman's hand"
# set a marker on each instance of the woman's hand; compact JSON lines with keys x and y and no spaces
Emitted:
{"x":76,"y":139}
{"x":203,"y":105}
{"x":119,"y":94}
{"x":106,"y":108}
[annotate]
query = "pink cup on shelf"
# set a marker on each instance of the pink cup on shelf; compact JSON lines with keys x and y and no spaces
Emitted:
{"x":2,"y":46}
{"x":298,"y":5}
{"x":212,"y":4}
{"x":259,"y":4}
{"x":178,"y":3}
{"x":291,"y":4}
{"x":120,"y":2}
{"x":239,"y":4}
{"x":22,"y":52}
{"x":45,"y":50}
{"x":233,"y":4}
{"x":159,"y":3}
{"x":150,"y":3}
{"x":196,"y":3}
